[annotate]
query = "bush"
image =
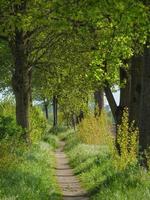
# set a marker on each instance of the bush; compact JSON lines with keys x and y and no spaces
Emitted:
{"x":52,"y":140}
{"x":95,"y":130}
{"x":8,"y":127}
{"x":38,"y":124}
{"x":7,"y":108}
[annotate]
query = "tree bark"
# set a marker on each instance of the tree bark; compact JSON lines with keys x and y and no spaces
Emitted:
{"x":117,"y":111}
{"x":46,"y":109}
{"x":99,"y":101}
{"x":81,"y":115}
{"x":55,"y":111}
{"x":134,"y":111}
{"x":124,"y":93}
{"x":21,"y":82}
{"x":73,"y":119}
{"x":144,"y":137}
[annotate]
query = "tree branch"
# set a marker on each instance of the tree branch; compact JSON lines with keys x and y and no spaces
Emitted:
{"x":111,"y":101}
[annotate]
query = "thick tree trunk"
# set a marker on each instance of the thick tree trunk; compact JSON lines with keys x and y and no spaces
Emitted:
{"x":124,"y":93}
{"x":77,"y":119}
{"x":99,"y":101}
{"x":81,"y":115}
{"x":21,"y":82}
{"x":144,"y":137}
{"x":134,"y":111}
{"x":55,"y":111}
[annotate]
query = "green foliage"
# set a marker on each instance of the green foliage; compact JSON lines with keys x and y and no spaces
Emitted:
{"x":7,"y":107}
{"x":8,"y":125}
{"x":58,"y":130}
{"x":52,"y":140}
{"x":8,"y":128}
{"x":59,"y":40}
{"x":6,"y":66}
{"x":38,"y":124}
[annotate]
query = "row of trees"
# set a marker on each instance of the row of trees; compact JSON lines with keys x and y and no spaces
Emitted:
{"x":65,"y":51}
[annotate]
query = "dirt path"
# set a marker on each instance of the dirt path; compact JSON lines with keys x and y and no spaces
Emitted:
{"x":69,"y":184}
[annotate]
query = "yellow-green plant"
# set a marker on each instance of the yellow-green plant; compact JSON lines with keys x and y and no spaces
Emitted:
{"x":95,"y":130}
{"x":7,"y":108}
{"x":147,"y":155}
{"x":127,"y":140}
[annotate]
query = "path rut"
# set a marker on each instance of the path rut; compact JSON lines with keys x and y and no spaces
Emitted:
{"x":69,"y":184}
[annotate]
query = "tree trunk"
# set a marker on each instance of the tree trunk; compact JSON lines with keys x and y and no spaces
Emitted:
{"x":81,"y":115}
{"x":73,"y":119}
{"x":46,"y":109}
{"x":99,"y":101}
{"x":21,"y":82}
{"x":144,"y":137}
{"x":134,"y":111}
{"x":124,"y":94}
{"x":55,"y":111}
{"x":111,"y":101}
{"x":77,"y":119}
{"x":117,"y":111}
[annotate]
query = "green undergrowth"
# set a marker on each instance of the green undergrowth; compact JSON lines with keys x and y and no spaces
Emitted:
{"x":29,"y":175}
{"x":94,"y":165}
{"x":52,"y":140}
{"x":26,"y":171}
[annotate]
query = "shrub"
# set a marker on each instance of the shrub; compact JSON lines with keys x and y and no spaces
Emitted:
{"x":7,"y":108}
{"x":8,"y":127}
{"x":52,"y":140}
{"x":95,"y":130}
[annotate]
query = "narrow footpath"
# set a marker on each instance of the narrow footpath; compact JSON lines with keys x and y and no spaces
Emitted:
{"x":69,"y":184}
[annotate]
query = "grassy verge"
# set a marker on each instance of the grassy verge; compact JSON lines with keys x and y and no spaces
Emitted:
{"x":30,"y":174}
{"x":95,"y":167}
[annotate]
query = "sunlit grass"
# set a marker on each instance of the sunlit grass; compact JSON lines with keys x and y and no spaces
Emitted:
{"x":30,"y":176}
{"x":104,"y":173}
